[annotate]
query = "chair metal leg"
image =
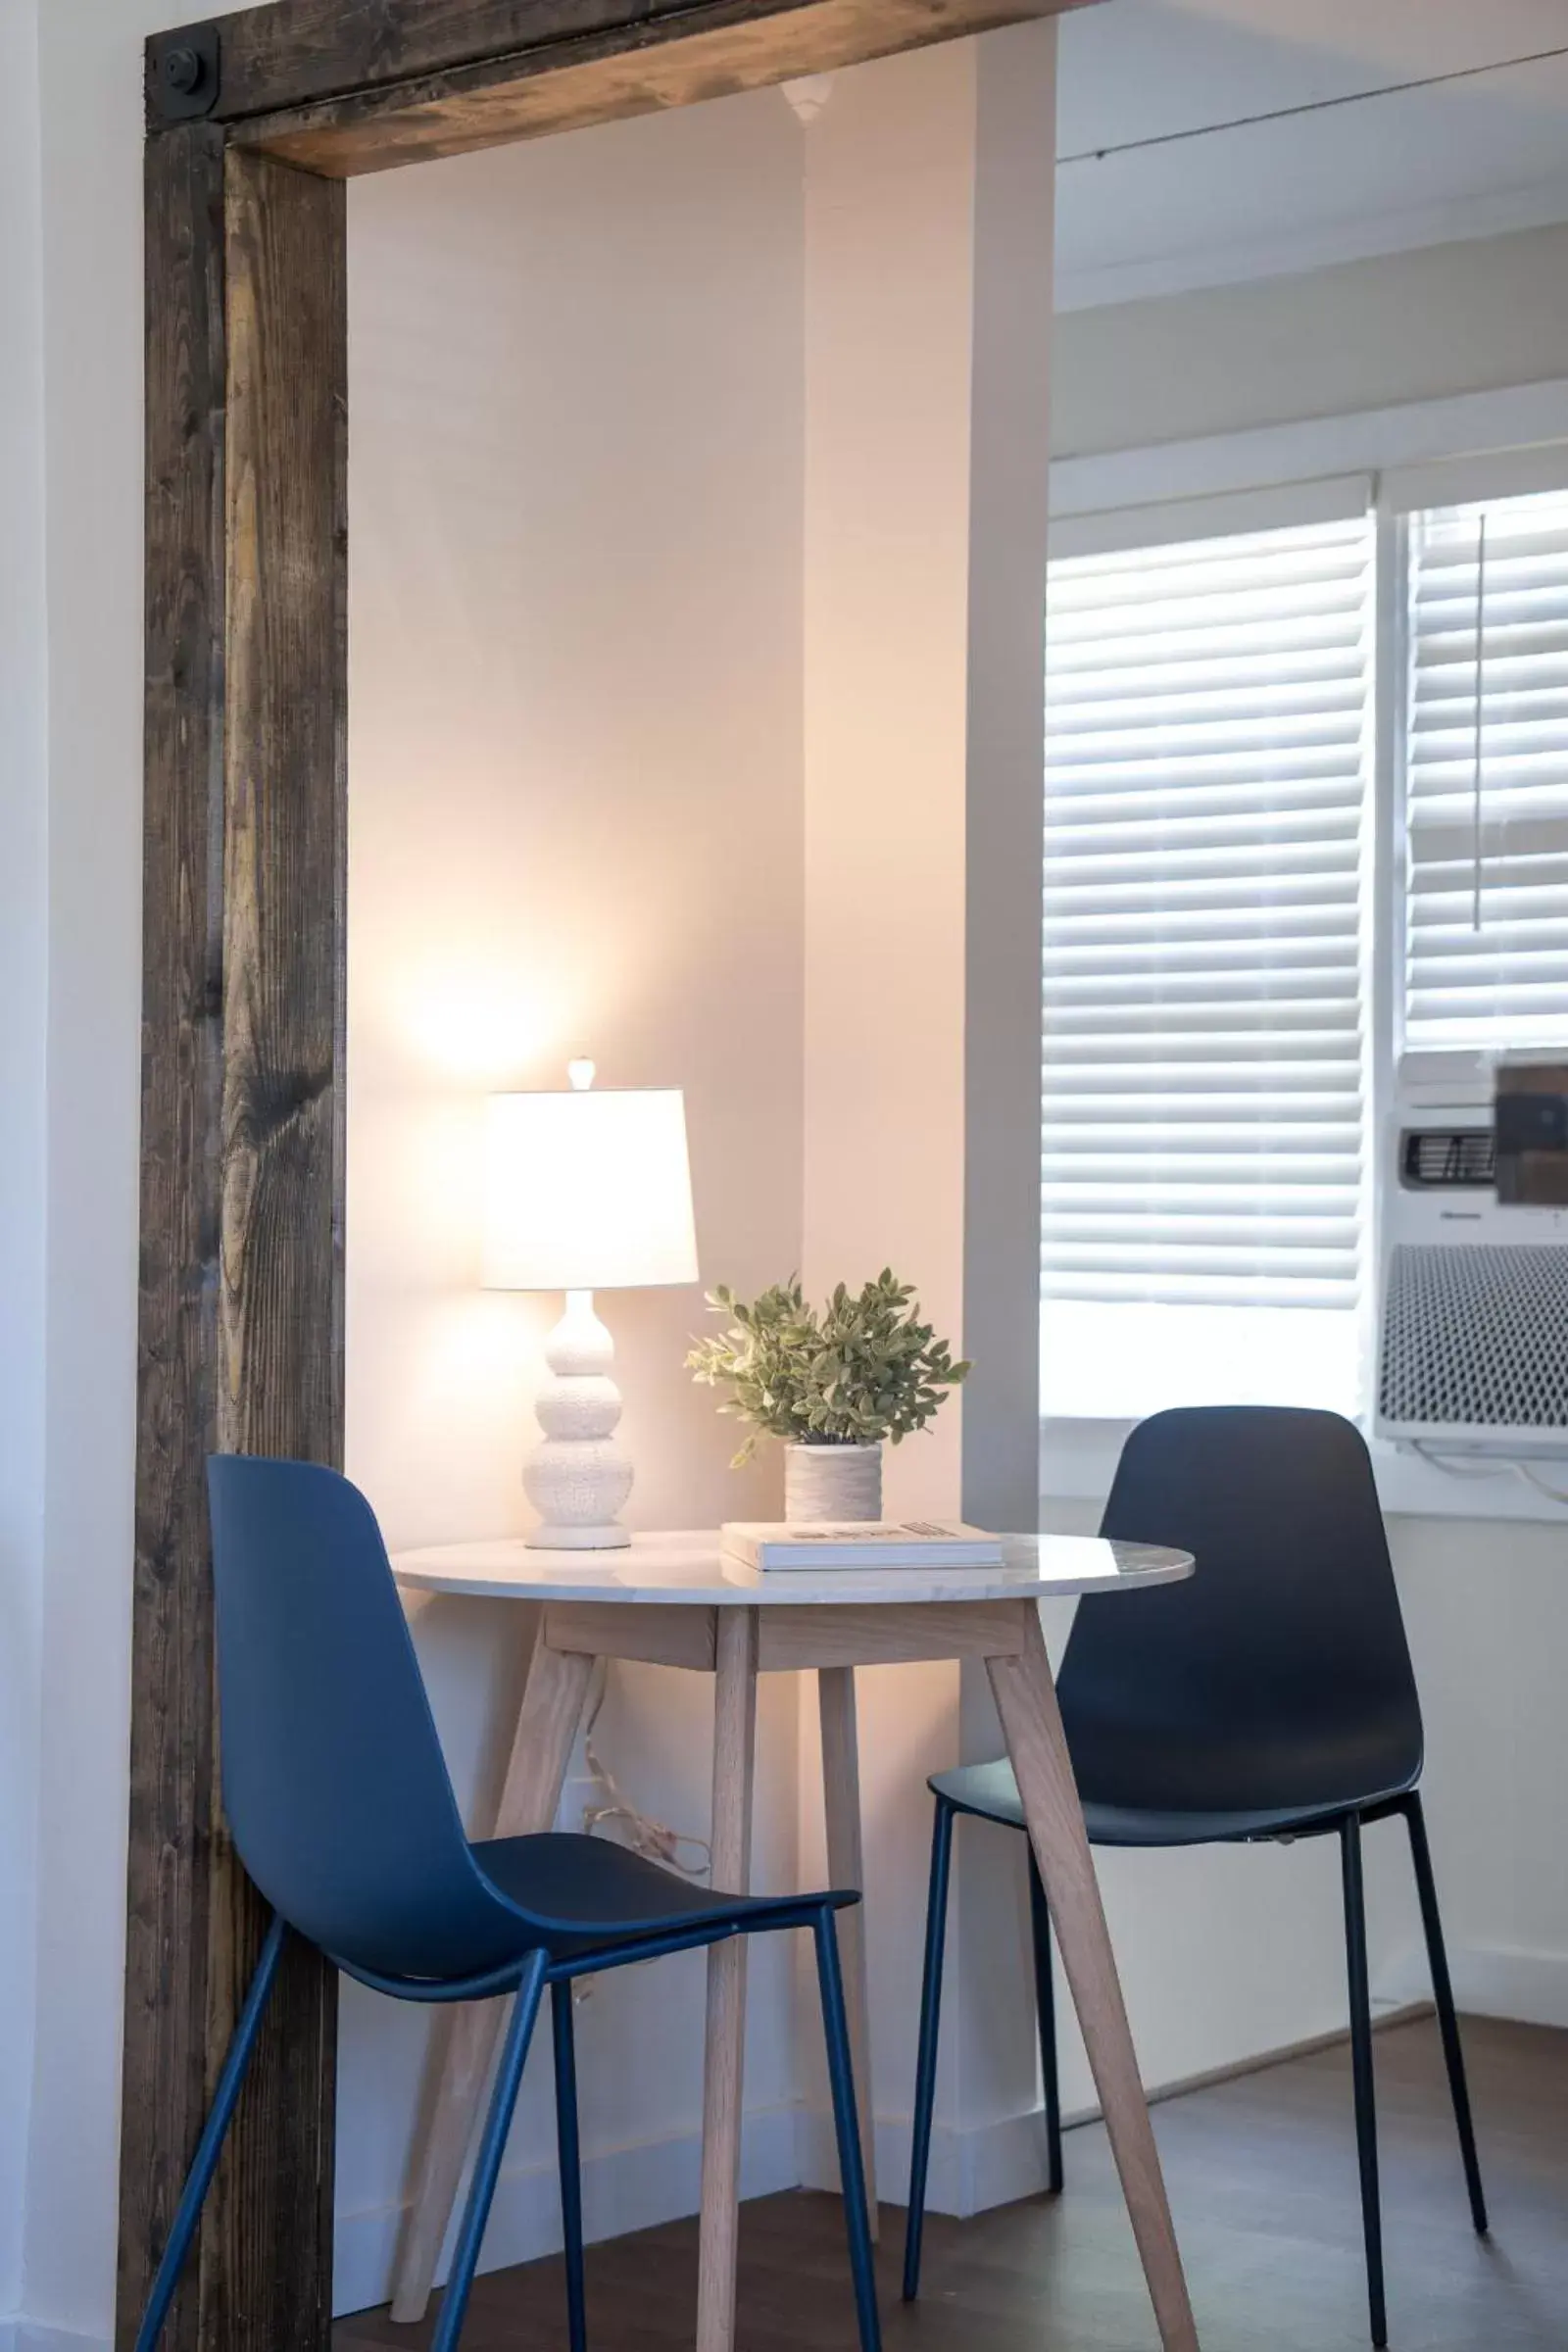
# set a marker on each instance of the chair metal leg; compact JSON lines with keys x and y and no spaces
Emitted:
{"x":1045,"y":2014}
{"x":925,"y":2071}
{"x":210,"y":2146}
{"x":1366,"y":2122}
{"x":565,"y":2046}
{"x":487,"y":2163}
{"x":1442,"y":1994}
{"x":846,"y":2122}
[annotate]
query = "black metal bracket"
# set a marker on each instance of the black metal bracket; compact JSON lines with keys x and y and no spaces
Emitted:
{"x":182,"y":73}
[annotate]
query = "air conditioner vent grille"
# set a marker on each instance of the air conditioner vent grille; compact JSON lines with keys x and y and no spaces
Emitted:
{"x":1476,"y":1336}
{"x":1433,"y":1158}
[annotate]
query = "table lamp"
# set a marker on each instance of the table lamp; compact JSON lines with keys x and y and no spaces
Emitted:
{"x":586,"y":1192}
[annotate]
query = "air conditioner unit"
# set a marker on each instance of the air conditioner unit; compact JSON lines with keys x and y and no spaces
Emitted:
{"x":1472,"y":1354}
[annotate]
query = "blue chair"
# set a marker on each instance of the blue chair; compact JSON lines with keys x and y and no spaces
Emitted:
{"x":1272,"y":1696}
{"x":342,"y":1812}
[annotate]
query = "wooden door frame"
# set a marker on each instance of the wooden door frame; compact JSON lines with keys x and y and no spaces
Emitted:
{"x":254,"y":123}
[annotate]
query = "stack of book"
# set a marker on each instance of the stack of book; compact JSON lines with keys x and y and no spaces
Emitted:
{"x":863,"y":1543}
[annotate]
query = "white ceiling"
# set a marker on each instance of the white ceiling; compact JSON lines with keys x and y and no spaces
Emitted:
{"x":1370,"y":169}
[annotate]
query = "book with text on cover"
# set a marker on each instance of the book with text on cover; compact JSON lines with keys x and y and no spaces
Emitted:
{"x":864,"y":1544}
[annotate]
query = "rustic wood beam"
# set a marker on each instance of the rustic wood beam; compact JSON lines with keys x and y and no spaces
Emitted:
{"x":299,"y":52}
{"x":709,"y":50}
{"x":242,"y":1160}
{"x":173,"y":1764}
{"x":339,"y":91}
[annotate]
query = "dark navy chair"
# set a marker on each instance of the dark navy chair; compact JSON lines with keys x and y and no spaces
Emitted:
{"x":1272,"y":1696}
{"x":338,"y":1797}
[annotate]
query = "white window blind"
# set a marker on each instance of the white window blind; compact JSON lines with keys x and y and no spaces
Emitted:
{"x":1486,"y":768}
{"x":1209,"y":717}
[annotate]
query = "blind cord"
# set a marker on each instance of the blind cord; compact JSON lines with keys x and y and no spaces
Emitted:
{"x":1481,"y":660}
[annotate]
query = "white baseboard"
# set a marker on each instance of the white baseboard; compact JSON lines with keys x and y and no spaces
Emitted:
{"x":1490,"y":1981}
{"x":29,"y":2335}
{"x":622,"y":2189}
{"x":972,"y":2168}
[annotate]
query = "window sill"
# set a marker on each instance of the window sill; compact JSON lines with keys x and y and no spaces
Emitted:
{"x":1078,"y":1460}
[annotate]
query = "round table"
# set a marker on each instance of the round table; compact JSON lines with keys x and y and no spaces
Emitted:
{"x":677,"y":1599}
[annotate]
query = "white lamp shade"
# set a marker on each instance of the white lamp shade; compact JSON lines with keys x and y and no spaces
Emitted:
{"x":588,"y":1191}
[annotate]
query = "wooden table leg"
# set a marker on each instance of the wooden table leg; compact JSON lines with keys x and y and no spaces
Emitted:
{"x":734,"y":1766}
{"x":1031,"y":1721}
{"x":841,"y":1799}
{"x":464,"y":2040}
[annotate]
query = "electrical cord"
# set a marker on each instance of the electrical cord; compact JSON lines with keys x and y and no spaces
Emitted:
{"x":654,"y":1840}
{"x":1533,"y":1478}
{"x":1523,"y":1470}
{"x":1453,"y":1469}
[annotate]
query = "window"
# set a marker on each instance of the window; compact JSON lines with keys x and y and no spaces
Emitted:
{"x":1212,"y":825}
{"x":1207,"y":787}
{"x":1486,"y":775}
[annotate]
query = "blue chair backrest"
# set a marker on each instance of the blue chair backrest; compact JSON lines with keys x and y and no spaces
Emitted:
{"x":1278,"y":1675}
{"x":334,"y":1783}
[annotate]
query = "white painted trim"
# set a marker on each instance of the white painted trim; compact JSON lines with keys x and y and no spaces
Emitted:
{"x":1369,"y":441}
{"x":624,"y":2188}
{"x":1490,"y":1981}
{"x":1331,"y":497}
{"x":996,"y":2163}
{"x":30,"y":2335}
{"x":1452,"y":221}
{"x":972,"y":2168}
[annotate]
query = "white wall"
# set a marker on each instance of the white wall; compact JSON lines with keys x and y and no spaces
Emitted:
{"x":624,"y":869}
{"x":23,"y":885}
{"x":90,"y":152}
{"x":1370,"y":334}
{"x":575,"y":619}
{"x":929,"y":188}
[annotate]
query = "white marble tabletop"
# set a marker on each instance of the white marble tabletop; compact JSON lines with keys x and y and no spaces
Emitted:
{"x":691,"y":1567}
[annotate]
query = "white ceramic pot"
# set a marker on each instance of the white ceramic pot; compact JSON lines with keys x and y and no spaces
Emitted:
{"x":829,"y":1483}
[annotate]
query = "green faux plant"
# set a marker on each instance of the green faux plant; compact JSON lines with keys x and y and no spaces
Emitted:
{"x":866,"y":1368}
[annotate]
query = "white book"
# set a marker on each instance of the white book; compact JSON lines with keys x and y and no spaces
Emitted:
{"x":863,"y":1543}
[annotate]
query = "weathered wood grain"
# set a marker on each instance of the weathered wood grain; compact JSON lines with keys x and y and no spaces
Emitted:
{"x":241,"y":1259}
{"x":171,"y":1752}
{"x":1031,"y":1724}
{"x":724,"y":2040}
{"x":299,"y":52}
{"x":267,"y":2266}
{"x":664,"y":57}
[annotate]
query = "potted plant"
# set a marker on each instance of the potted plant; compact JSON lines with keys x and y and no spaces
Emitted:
{"x":834,"y":1385}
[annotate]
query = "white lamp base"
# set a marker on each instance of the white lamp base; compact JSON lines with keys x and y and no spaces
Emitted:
{"x":577,"y":1477}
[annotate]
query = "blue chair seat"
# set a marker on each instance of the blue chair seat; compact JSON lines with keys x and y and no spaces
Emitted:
{"x":991,"y":1792}
{"x":580,"y":1892}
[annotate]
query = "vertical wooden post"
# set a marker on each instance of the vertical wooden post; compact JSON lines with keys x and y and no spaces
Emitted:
{"x":242,"y":1157}
{"x":172,"y":1754}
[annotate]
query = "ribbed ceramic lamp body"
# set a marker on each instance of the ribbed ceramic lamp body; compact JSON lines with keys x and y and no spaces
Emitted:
{"x":586,"y":1192}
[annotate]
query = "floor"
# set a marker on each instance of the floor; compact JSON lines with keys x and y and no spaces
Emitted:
{"x":1262,"y":2178}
